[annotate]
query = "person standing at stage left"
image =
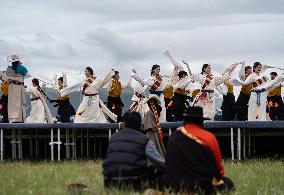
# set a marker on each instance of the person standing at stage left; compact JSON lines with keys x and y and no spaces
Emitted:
{"x":15,"y":75}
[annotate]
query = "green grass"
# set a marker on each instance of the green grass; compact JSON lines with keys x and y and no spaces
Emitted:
{"x":250,"y":177}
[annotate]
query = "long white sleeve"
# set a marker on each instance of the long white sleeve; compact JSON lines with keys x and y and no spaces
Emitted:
{"x":242,"y":72}
{"x":70,"y":89}
{"x":138,"y":78}
{"x":222,"y":79}
{"x":107,"y":78}
{"x":274,"y":83}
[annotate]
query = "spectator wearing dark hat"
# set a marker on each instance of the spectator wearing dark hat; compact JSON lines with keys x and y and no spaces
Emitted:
{"x":275,"y":102}
{"x":193,"y":157}
{"x":128,"y":156}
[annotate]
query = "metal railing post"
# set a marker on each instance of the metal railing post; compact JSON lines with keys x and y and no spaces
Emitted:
{"x":51,"y":145}
{"x":232,"y":144}
{"x":58,"y":144}
{"x":1,"y":145}
{"x":239,"y":144}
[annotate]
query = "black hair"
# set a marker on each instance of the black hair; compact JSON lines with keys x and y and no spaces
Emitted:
{"x":204,"y":67}
{"x":182,"y":73}
{"x":154,"y":67}
{"x":60,"y":79}
{"x":15,"y":64}
{"x":132,"y":120}
{"x":256,"y":64}
{"x":157,"y":105}
{"x":274,"y":73}
{"x":247,"y":68}
{"x":36,"y":82}
{"x":90,"y":70}
{"x":115,"y":72}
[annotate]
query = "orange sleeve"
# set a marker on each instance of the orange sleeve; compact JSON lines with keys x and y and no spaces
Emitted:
{"x":214,"y":147}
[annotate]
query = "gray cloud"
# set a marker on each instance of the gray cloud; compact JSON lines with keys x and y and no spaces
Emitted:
{"x":68,"y":35}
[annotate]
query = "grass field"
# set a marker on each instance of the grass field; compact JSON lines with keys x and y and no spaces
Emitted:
{"x":250,"y":177}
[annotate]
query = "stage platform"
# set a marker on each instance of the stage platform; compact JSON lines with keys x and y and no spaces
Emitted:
{"x":238,"y":140}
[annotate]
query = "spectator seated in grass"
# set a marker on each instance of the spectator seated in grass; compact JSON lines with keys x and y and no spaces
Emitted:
{"x":128,"y":156}
{"x":193,"y":158}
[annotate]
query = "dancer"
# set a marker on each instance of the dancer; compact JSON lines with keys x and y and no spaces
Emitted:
{"x":155,"y":85}
{"x":275,"y":101}
{"x":258,"y":98}
{"x":40,"y":112}
{"x":92,"y":109}
{"x":15,"y":76}
{"x":114,"y":102}
{"x":180,"y":97}
{"x":65,"y":109}
{"x":227,"y":107}
{"x":206,"y":97}
{"x":241,"y":105}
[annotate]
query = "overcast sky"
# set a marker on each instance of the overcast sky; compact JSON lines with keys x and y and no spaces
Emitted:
{"x":67,"y":35}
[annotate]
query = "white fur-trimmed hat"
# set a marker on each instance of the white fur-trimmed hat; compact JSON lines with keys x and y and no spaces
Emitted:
{"x":14,"y":58}
{"x":152,"y":96}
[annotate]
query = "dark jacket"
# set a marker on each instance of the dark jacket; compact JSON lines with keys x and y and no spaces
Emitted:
{"x":126,"y":155}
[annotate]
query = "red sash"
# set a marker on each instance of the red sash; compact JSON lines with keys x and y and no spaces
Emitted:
{"x":157,"y":83}
{"x":156,"y":116}
{"x":203,"y":93}
{"x":87,"y":83}
{"x":259,"y":82}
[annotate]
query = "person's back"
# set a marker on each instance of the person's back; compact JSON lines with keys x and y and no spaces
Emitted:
{"x":188,"y":163}
{"x":193,"y":157}
{"x":126,"y":154}
{"x":127,"y":158}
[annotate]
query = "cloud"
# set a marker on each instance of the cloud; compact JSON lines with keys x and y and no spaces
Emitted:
{"x":123,"y":49}
{"x":69,"y":35}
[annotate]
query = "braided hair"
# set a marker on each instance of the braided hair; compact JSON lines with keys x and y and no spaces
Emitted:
{"x":36,"y":83}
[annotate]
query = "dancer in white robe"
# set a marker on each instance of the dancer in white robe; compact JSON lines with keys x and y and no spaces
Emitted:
{"x":206,"y":96}
{"x":155,"y":85}
{"x":260,"y":87}
{"x":91,"y":109}
{"x":40,"y":112}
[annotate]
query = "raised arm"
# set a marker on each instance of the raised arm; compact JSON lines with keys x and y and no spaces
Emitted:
{"x":70,"y":89}
{"x":174,"y":62}
{"x":187,"y":66}
{"x":183,"y":83}
{"x":137,"y":77}
{"x":107,"y":78}
{"x":274,"y":83}
{"x":242,"y":72}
